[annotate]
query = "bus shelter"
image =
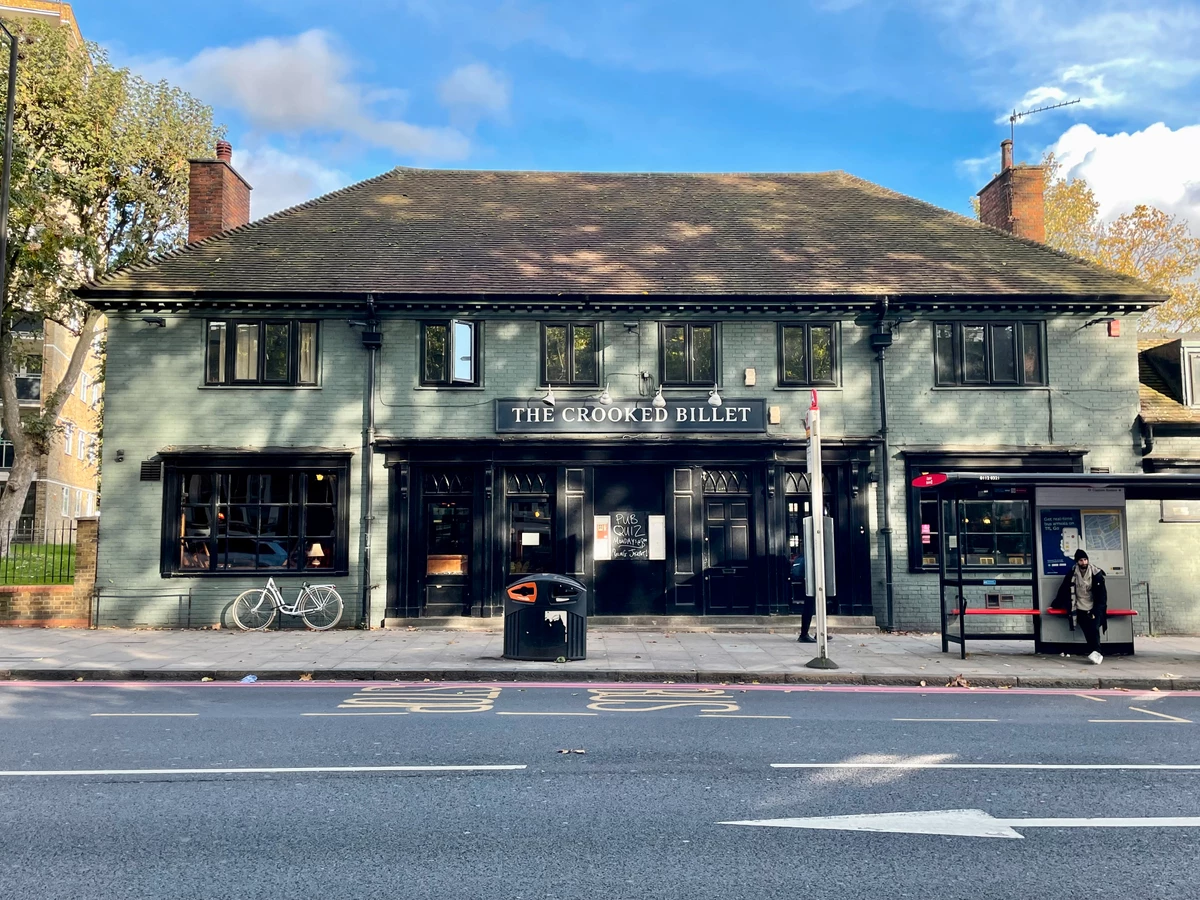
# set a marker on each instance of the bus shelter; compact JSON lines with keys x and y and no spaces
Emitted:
{"x":1068,"y":512}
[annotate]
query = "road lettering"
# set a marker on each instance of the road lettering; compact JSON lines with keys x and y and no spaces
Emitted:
{"x":657,"y":699}
{"x":424,"y":699}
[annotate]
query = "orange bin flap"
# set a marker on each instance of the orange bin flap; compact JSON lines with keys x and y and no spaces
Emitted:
{"x":525,"y":592}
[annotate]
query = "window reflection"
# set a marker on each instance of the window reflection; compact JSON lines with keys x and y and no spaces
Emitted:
{"x":275,"y":519}
{"x":531,"y":547}
{"x":448,"y":537}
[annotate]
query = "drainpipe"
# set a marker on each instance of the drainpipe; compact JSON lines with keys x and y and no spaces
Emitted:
{"x":881,"y":339}
{"x":372,"y":340}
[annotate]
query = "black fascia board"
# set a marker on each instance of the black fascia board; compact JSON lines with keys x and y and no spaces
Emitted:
{"x":117,"y":299}
{"x":1173,"y":429}
{"x":1137,"y":486}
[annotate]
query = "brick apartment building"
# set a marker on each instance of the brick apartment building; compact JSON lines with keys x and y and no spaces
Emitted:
{"x":67,"y":479}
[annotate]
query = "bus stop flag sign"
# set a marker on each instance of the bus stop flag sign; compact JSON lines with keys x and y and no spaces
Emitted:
{"x":933,"y":479}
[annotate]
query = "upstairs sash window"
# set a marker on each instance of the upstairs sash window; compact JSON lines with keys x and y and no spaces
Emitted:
{"x":808,"y":354}
{"x":570,"y":354}
{"x":241,"y":352}
{"x":689,"y":353}
{"x":996,"y":354}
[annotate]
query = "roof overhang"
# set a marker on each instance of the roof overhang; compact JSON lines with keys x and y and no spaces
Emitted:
{"x":1137,"y":486}
{"x":108,"y":300}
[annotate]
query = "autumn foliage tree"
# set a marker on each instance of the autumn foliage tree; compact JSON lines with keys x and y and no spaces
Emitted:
{"x":99,"y":180}
{"x":1146,"y":243}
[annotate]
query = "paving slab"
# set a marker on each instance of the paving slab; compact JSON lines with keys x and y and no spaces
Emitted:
{"x":1163,"y":663}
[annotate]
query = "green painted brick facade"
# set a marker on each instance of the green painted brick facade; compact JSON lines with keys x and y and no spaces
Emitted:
{"x":156,"y":400}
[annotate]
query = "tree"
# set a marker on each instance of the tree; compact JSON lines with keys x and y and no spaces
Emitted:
{"x":99,"y":180}
{"x":1146,"y":243}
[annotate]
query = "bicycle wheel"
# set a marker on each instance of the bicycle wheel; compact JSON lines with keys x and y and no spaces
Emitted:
{"x":254,"y":610}
{"x":321,"y":607}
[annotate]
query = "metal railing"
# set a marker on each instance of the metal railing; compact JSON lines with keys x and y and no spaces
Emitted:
{"x":39,"y":556}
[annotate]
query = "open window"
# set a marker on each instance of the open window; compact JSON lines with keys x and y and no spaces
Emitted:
{"x":450,"y":353}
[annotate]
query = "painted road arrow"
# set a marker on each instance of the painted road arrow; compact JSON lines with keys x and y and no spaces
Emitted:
{"x":961,"y":823}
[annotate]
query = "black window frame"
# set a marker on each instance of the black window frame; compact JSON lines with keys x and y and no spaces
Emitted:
{"x":1191,"y":376}
{"x":171,"y":566}
{"x":959,"y":377}
{"x":293,"y":362}
{"x":1012,"y":464}
{"x":691,"y":380}
{"x":834,"y":353}
{"x":572,"y":381}
{"x":448,"y":381}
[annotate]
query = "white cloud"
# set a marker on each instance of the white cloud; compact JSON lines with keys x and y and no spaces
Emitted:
{"x":474,"y":90}
{"x":974,"y":168}
{"x":280,"y":179}
{"x":305,"y":84}
{"x":1111,"y":53}
{"x":1158,"y":166}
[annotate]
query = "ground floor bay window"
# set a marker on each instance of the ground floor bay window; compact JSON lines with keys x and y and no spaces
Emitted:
{"x":269,"y":513}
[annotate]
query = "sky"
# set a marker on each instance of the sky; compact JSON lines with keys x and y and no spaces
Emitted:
{"x":912,"y":94}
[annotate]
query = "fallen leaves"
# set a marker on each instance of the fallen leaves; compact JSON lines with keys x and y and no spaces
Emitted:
{"x":958,"y":681}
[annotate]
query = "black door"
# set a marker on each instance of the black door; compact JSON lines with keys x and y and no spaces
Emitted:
{"x":629,"y":586}
{"x":448,"y":525}
{"x":727,"y":582}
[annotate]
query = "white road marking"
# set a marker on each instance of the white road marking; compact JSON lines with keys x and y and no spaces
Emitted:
{"x":546,"y":714}
{"x":140,"y":715}
{"x":1162,"y":719}
{"x":945,"y":720}
{"x":273,"y":770}
{"x":728,"y":716}
{"x":355,"y":714}
{"x":1090,"y":697}
{"x":1144,"y":767}
{"x":962,"y":823}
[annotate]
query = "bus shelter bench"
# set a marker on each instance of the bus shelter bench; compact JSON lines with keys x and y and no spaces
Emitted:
{"x":1033,"y":634}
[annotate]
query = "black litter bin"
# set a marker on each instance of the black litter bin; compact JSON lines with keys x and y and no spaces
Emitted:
{"x":545,"y":618}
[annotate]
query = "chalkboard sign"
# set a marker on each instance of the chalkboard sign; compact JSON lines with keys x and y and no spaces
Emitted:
{"x":630,"y":535}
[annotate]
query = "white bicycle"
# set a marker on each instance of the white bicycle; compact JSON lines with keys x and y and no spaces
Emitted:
{"x":319,"y":605}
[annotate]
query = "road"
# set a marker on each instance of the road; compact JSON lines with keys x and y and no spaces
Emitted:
{"x":143,"y":791}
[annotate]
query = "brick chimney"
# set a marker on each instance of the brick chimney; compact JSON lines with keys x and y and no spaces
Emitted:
{"x":1014,"y":200}
{"x":218,"y":197}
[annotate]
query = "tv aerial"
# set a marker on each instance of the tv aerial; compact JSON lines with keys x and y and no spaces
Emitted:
{"x":1012,"y":120}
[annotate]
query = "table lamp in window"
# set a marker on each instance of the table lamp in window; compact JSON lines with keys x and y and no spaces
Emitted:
{"x":315,"y":554}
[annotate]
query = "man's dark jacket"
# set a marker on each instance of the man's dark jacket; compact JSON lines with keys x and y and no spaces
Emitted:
{"x":1063,"y":599}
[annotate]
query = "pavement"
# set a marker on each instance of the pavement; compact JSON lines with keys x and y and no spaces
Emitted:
{"x":1164,"y":663}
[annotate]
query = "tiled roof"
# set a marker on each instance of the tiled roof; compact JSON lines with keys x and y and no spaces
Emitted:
{"x":1160,"y":403}
{"x":421,"y":231}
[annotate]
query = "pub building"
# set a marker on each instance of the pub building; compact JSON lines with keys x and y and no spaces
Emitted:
{"x":425,"y":385}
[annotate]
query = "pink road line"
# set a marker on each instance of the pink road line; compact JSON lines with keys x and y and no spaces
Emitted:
{"x":619,"y":685}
